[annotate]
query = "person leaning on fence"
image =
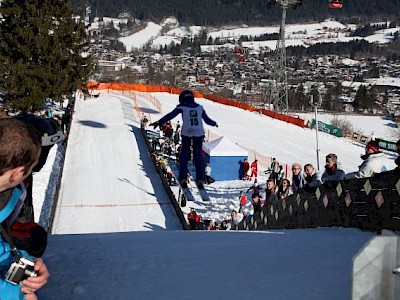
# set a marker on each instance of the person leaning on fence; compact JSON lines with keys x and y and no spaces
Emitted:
{"x":297,"y":178}
{"x":233,"y":221}
{"x":246,"y":214}
{"x":271,"y":190}
{"x":256,"y":201}
{"x":193,"y":115}
{"x":20,"y":148}
{"x":373,"y":162}
{"x":284,"y":190}
{"x":333,"y":171}
{"x":312,"y":178}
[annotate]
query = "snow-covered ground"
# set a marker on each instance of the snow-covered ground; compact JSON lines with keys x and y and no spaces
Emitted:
{"x":378,"y":126}
{"x":328,"y":31}
{"x":109,"y":185}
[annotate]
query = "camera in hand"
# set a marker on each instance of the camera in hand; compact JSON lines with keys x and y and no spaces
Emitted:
{"x":20,"y":270}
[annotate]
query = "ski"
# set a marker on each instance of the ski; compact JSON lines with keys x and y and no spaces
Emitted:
{"x":201,"y":189}
{"x":186,"y":190}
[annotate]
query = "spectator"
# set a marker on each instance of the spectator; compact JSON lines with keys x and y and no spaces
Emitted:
{"x":20,"y":146}
{"x":177,"y":135}
{"x":284,"y":189}
{"x":66,"y":121}
{"x":397,"y":161}
{"x":274,"y":170}
{"x":223,"y":225}
{"x":297,"y":178}
{"x":256,"y":203}
{"x":246,"y":214}
{"x":143,"y":122}
{"x":373,"y":162}
{"x":270,"y":193}
{"x":192,"y":132}
{"x":246,"y":168}
{"x":280,"y":176}
{"x":167,"y":130}
{"x":333,"y":170}
{"x":255,"y":188}
{"x":234,"y":221}
{"x":312,"y":178}
{"x":242,"y":201}
{"x":208,"y":178}
{"x":254,"y":169}
{"x":193,"y":219}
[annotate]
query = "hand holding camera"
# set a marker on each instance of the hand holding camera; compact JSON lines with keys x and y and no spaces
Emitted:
{"x":21,"y":269}
{"x":32,"y":284}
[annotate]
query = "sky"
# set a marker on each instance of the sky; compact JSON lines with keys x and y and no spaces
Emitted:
{"x":116,"y":236}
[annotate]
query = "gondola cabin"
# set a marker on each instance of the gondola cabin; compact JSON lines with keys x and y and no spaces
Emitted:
{"x":335,"y":3}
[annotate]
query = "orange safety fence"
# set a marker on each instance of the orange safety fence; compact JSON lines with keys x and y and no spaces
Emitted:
{"x":161,"y":88}
{"x":135,"y":90}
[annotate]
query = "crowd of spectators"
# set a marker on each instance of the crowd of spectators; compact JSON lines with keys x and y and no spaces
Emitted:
{"x":278,"y":186}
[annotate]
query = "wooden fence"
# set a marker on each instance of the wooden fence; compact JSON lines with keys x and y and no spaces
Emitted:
{"x":368,"y":203}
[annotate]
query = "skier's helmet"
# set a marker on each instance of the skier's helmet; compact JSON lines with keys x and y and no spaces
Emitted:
{"x":186,"y":96}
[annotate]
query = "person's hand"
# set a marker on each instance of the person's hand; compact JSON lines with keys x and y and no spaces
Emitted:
{"x":31,"y":296}
{"x":155,"y":124}
{"x":32,"y":284}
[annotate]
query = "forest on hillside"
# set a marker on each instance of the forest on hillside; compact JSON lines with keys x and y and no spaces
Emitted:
{"x":234,"y":12}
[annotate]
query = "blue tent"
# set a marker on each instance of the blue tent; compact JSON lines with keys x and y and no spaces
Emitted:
{"x":225,"y":158}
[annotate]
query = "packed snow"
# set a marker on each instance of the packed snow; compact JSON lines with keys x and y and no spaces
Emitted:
{"x":109,"y":185}
{"x":328,"y":31}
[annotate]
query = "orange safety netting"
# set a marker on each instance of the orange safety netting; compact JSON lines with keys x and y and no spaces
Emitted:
{"x":161,"y":88}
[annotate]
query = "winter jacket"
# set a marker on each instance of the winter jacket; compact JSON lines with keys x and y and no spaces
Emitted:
{"x":275,"y":167}
{"x":254,"y":167}
{"x":298,"y":182}
{"x":283,"y":193}
{"x":373,"y":163}
{"x":335,"y":173}
{"x":9,"y":291}
{"x":192,"y":115}
{"x":312,"y":181}
{"x":243,"y":200}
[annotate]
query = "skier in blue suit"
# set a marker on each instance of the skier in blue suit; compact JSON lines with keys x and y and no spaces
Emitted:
{"x":192,"y":131}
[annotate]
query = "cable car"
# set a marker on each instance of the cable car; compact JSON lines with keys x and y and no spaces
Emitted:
{"x":335,"y":3}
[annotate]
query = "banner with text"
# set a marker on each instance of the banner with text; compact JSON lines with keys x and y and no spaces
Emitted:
{"x":386,"y":145}
{"x":327,"y":128}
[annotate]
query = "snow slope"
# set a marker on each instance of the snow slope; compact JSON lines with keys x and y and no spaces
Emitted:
{"x":109,"y":180}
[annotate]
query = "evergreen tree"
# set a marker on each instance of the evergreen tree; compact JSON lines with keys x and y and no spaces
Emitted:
{"x":41,"y":52}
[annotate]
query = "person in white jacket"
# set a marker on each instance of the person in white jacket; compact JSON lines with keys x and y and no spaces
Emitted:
{"x":374,"y":162}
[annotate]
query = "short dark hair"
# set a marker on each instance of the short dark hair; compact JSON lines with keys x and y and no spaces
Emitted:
{"x":20,"y":144}
{"x":332,"y":156}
